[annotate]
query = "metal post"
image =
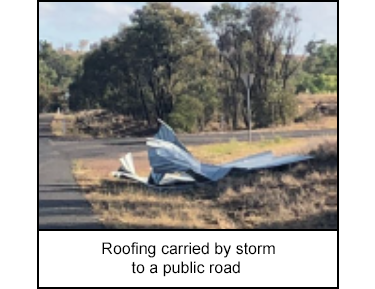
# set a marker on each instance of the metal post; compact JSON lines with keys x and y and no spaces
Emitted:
{"x":273,"y":119}
{"x":248,"y":79}
{"x":248,"y":109}
{"x":250,"y":82}
{"x":67,"y":95}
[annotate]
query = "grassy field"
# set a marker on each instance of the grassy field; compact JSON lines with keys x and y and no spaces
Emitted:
{"x":303,"y":196}
{"x":225,"y":152}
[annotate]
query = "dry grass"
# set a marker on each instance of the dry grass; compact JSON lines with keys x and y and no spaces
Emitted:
{"x":313,"y":99}
{"x":304,"y":196}
{"x":123,"y":205}
{"x":308,"y":102}
{"x":99,"y":124}
{"x":57,"y":125}
{"x":318,"y":124}
{"x":103,"y":124}
{"x":225,"y":152}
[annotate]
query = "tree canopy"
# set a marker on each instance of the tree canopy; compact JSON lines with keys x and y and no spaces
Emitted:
{"x":57,"y":71}
{"x":171,"y":64}
{"x":320,"y":68}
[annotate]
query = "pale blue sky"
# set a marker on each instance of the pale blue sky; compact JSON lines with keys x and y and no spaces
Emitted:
{"x":63,"y":22}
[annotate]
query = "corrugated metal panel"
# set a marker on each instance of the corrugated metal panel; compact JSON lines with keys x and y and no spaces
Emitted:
{"x":167,"y":134}
{"x":168,"y":156}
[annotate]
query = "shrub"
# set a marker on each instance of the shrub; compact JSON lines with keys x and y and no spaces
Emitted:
{"x":187,"y":114}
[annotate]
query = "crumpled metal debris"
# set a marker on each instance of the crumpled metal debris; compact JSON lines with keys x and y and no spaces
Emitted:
{"x":173,"y":164}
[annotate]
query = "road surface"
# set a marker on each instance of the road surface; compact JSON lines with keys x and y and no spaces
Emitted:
{"x":63,"y":206}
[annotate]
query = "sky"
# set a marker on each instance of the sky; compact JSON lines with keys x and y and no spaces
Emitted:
{"x":70,"y":22}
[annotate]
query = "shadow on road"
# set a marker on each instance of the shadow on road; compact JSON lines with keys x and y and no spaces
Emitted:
{"x":63,"y":208}
{"x":70,"y":227}
{"x":59,"y":188}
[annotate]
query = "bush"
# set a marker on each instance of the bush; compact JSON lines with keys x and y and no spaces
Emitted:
{"x":187,"y":114}
{"x":317,"y":83}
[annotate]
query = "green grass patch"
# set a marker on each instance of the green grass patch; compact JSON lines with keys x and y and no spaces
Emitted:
{"x":219,"y":153}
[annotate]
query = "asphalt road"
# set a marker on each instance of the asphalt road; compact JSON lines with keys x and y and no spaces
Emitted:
{"x":62,"y":205}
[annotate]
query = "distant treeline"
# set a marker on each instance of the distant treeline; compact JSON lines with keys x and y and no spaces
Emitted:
{"x":174,"y":65}
{"x":57,"y":71}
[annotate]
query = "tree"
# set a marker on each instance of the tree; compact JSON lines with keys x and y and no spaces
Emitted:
{"x":142,"y":71}
{"x":227,"y":22}
{"x":272,"y":31}
{"x":322,"y":58}
{"x":259,"y":39}
{"x":56,"y":72}
{"x":320,"y":68}
{"x":164,"y":65}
